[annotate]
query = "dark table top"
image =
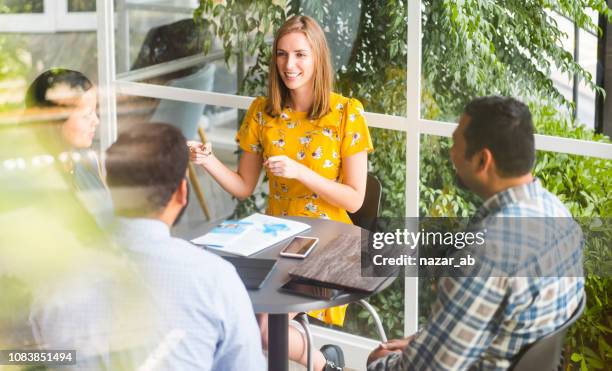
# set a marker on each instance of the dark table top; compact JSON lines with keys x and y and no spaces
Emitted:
{"x":269,"y":299}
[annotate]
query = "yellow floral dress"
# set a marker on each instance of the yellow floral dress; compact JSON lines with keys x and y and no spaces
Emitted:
{"x":320,"y":145}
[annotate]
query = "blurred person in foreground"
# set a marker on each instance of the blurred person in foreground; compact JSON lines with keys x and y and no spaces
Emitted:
{"x":54,"y":258}
{"x":483,"y":320}
{"x":61,"y":108}
{"x":205,"y":317}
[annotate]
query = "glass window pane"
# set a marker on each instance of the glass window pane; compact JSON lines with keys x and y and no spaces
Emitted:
{"x":439,"y":195}
{"x":24,"y":56}
{"x":473,"y":49}
{"x":388,"y":164}
{"x":220,"y":127}
{"x":369,"y":61}
{"x":81,"y":5}
{"x":586,"y":96}
{"x":21,"y":6}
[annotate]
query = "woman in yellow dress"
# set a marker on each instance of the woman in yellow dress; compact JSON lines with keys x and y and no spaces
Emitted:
{"x":312,"y":142}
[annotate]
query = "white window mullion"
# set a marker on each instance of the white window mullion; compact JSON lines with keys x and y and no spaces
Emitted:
{"x":30,"y":22}
{"x":413,"y":139}
{"x":106,"y":74}
{"x":73,"y":21}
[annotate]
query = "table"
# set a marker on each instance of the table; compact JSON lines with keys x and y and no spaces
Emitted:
{"x":277,"y":304}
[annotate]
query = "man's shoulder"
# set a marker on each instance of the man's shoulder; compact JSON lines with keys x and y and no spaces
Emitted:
{"x":205,"y":261}
{"x":180,"y":257}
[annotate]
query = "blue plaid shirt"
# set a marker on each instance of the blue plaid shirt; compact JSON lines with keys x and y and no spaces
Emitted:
{"x":483,"y":321}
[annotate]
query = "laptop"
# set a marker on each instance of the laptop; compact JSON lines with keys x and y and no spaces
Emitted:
{"x":253,"y":272}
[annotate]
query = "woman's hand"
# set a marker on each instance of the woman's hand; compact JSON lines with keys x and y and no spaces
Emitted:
{"x":284,"y":167}
{"x":199,"y":153}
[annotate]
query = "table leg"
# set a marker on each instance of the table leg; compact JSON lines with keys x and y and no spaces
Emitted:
{"x":278,"y":342}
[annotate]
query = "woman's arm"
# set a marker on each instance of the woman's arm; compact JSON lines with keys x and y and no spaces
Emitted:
{"x":347,"y":195}
{"x":239,"y":184}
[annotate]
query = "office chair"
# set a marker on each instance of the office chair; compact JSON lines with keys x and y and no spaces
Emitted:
{"x":365,"y":218}
{"x":545,"y":353}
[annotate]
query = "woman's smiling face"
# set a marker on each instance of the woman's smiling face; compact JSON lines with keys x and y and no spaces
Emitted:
{"x":295,"y":61}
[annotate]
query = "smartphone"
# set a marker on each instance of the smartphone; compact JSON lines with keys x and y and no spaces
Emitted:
{"x":299,"y":247}
{"x":306,"y":289}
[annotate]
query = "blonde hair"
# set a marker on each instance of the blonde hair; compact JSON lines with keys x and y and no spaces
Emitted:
{"x":323,"y":78}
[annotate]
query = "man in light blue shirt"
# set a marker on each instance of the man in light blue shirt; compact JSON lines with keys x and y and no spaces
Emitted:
{"x":204,"y":318}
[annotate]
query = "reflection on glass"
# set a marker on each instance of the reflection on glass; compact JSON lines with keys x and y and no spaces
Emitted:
{"x":219,"y":126}
{"x":81,"y":5}
{"x":55,"y":260}
{"x":145,"y":23}
{"x":588,"y":59}
{"x":369,"y":61}
{"x":21,"y":6}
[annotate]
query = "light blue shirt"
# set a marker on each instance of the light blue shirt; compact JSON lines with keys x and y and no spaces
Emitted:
{"x":206,"y":320}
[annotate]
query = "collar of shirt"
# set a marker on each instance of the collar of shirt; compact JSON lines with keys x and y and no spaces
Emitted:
{"x":509,"y":196}
{"x":141,"y":227}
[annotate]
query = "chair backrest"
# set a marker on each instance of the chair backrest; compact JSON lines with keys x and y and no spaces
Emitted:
{"x":186,"y":115}
{"x":545,"y":353}
{"x":366,"y":216}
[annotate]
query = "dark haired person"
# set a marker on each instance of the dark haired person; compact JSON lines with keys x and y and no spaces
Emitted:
{"x":206,"y":320}
{"x":68,"y":101}
{"x":483,"y":321}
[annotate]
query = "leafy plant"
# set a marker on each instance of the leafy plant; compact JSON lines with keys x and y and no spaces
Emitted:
{"x":21,"y":6}
{"x":475,"y":48}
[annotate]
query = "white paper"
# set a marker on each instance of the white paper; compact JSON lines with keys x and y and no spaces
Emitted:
{"x":265,"y":231}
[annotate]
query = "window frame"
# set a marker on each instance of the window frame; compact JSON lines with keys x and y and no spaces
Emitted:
{"x":54,"y":18}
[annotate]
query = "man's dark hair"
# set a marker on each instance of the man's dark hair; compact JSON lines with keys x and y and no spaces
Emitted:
{"x":144,"y":167}
{"x":504,"y":126}
{"x":36,"y":95}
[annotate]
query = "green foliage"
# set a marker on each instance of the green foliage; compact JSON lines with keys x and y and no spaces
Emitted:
{"x":81,"y":5}
{"x":242,"y":25}
{"x":388,"y":163}
{"x":390,"y":308}
{"x":14,"y":65}
{"x":13,"y":60}
{"x":439,"y":196}
{"x":475,"y":48}
{"x":582,"y":183}
{"x":589,"y":340}
{"x":376,"y":70}
{"x":20,"y":6}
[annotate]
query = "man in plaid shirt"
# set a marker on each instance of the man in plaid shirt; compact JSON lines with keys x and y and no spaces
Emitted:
{"x":484,"y":320}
